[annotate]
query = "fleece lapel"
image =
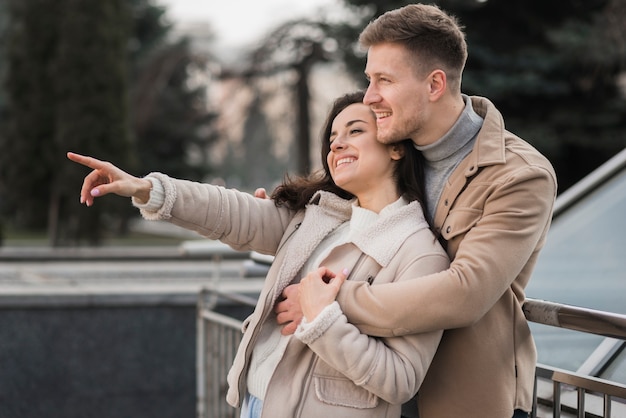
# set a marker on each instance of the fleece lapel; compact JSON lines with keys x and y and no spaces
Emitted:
{"x":382,"y":239}
{"x":320,"y":219}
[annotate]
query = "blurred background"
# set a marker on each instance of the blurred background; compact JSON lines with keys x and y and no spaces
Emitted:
{"x":235,"y":93}
{"x":99,"y":312}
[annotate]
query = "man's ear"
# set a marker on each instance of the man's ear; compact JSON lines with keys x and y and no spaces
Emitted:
{"x":438,"y":81}
{"x":396,"y":152}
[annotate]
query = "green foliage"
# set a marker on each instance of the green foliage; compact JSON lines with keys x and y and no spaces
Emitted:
{"x":69,"y":65}
{"x":66,"y":88}
{"x":169,"y":119}
{"x":552,"y":71}
{"x":552,"y":68}
{"x":149,"y":29}
{"x":170,"y":122}
{"x":253,"y":163}
{"x":4,"y":22}
{"x":296,"y":46}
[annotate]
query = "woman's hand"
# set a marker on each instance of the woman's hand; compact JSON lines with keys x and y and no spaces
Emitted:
{"x":318,"y":290}
{"x":107,"y":178}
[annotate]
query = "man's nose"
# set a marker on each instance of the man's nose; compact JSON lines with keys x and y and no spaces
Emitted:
{"x":371,"y":95}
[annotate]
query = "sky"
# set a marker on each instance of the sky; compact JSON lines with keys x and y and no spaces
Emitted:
{"x":241,"y":22}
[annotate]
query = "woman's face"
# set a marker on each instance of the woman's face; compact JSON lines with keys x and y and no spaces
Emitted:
{"x":358,"y":163}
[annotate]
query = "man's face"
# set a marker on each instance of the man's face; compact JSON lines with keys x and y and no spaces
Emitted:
{"x":396,"y":94}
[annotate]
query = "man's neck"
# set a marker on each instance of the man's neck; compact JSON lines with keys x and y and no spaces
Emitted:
{"x":443,"y":115}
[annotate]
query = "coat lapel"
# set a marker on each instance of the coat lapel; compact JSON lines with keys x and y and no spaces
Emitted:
{"x":320,"y":219}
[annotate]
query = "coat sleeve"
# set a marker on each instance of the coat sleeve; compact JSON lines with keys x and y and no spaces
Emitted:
{"x":233,"y":217}
{"x":500,"y":247}
{"x":391,"y":368}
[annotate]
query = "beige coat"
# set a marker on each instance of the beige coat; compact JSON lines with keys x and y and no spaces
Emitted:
{"x":494,"y":213}
{"x":342,"y":373}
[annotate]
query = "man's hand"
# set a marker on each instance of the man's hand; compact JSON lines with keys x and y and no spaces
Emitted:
{"x":261,"y":193}
{"x":288,"y":311}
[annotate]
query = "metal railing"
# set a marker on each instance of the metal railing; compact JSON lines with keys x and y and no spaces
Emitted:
{"x":217,"y":340}
{"x":576,"y":394}
{"x":219,"y":336}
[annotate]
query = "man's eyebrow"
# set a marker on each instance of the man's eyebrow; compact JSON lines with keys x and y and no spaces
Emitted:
{"x":375,"y":74}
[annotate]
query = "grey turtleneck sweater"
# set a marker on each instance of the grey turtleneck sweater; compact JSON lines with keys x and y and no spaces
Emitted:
{"x":445,"y":154}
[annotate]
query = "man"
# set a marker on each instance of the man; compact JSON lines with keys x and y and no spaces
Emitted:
{"x":489,"y":196}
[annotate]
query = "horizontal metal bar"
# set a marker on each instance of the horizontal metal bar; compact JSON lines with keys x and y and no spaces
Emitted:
{"x":220,"y":319}
{"x":236,"y":297}
{"x":589,"y":383}
{"x":576,"y":318}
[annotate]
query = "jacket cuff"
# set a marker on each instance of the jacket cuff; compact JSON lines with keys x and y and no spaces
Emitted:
{"x":157,"y":197}
{"x":308,"y":332}
{"x":162,"y":198}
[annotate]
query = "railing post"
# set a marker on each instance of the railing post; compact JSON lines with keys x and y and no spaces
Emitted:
{"x":581,"y":403}
{"x":533,"y":412}
{"x":556,"y":406}
{"x":218,"y":339}
{"x":200,"y":356}
{"x":607,"y":405}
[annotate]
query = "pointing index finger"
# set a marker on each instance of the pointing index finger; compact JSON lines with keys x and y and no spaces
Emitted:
{"x":84,"y":160}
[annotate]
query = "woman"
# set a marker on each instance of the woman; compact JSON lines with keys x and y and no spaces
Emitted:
{"x":361,"y":215}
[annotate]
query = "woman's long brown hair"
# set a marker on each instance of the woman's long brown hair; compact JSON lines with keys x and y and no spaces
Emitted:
{"x":296,"y":192}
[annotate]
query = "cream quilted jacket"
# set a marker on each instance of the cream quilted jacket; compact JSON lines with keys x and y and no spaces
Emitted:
{"x":343,"y":373}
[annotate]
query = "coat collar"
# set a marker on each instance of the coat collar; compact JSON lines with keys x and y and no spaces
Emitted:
{"x":325,"y":212}
{"x":489,"y":147}
{"x":380,"y":240}
{"x":383,"y":238}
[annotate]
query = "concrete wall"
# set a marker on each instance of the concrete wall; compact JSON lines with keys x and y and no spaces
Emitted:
{"x":103,"y":333}
{"x":98,"y":362}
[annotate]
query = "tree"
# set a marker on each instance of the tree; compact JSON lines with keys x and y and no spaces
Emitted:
{"x":252,"y":163}
{"x":170,"y":120}
{"x":66,"y":87}
{"x":69,"y":67}
{"x":296,"y":46}
{"x":4,"y":21}
{"x":553,"y":70}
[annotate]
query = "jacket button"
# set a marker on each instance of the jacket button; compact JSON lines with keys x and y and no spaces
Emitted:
{"x":448,"y":229}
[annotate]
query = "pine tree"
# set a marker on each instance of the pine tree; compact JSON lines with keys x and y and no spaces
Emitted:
{"x":69,"y":64}
{"x":66,"y":88}
{"x":252,"y":163}
{"x":551,"y":68}
{"x":171,"y":123}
